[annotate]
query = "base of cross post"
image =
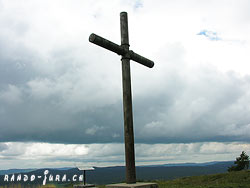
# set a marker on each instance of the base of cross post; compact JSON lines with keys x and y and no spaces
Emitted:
{"x":84,"y":186}
{"x":133,"y":185}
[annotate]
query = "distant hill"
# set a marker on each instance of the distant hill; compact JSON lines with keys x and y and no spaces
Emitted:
{"x":193,"y":164}
{"x":12,"y":171}
{"x":15,"y":171}
{"x":106,"y":175}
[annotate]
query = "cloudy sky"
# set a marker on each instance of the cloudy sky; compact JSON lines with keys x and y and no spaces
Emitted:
{"x":61,"y":96}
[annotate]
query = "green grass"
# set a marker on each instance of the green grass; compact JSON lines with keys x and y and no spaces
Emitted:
{"x":239,"y":179}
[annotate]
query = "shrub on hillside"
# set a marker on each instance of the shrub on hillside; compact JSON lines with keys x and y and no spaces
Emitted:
{"x":242,"y":162}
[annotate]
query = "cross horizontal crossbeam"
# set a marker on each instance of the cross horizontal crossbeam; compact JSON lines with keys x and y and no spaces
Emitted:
{"x":100,"y":41}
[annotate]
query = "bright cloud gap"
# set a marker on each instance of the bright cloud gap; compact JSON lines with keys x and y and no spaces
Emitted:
{"x":37,"y":155}
{"x":213,"y":36}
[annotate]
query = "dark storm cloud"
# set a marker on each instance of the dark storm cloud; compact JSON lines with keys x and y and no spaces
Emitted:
{"x":208,"y":106}
{"x":46,"y":123}
{"x":33,"y":109}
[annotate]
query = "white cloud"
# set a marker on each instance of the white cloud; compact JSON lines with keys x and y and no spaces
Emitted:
{"x":46,"y":150}
{"x":12,"y":95}
{"x":42,"y":88}
{"x":3,"y":146}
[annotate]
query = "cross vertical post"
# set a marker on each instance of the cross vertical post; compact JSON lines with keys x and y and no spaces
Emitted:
{"x":127,"y":103}
{"x":127,"y":55}
{"x":84,"y":177}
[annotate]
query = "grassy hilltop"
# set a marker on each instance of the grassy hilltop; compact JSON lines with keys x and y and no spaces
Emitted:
{"x":239,"y":179}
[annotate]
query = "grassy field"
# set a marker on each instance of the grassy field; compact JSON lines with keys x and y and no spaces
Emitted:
{"x":239,"y":179}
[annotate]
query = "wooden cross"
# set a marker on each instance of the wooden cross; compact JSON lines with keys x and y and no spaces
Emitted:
{"x":127,"y":55}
